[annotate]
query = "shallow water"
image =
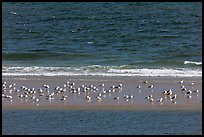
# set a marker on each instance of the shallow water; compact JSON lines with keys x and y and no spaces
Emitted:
{"x":100,"y":122}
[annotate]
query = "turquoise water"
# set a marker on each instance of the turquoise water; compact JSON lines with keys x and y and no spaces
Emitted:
{"x":101,"y":122}
{"x":101,"y":37}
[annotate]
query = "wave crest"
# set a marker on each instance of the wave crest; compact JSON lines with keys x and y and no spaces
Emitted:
{"x":97,"y":70}
{"x":192,"y":62}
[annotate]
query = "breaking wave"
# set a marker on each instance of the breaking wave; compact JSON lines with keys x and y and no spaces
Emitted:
{"x":97,"y":70}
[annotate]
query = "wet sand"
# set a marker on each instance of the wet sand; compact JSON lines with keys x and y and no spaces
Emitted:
{"x":126,"y":97}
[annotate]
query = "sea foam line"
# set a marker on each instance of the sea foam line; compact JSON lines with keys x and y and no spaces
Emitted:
{"x":97,"y":70}
{"x":192,"y":62}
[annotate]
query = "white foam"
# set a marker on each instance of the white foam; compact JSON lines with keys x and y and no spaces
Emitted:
{"x":159,"y":72}
{"x":96,"y":70}
{"x":192,"y":62}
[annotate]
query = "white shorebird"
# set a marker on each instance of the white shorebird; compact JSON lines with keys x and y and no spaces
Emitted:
{"x":57,"y":88}
{"x":120,"y":85}
{"x":174,"y":97}
{"x":32,"y":97}
{"x":10,"y":86}
{"x":126,"y":96}
{"x":64,"y":98}
{"x":151,"y":100}
{"x":17,"y":90}
{"x":99,"y":98}
{"x":82,"y":86}
{"x":65,"y":85}
{"x":131,"y":96}
{"x":117,"y":87}
{"x":181,"y":82}
{"x":160,"y":100}
{"x":174,"y":102}
{"x":188,"y":92}
{"x":88,"y":97}
{"x":104,"y":92}
{"x":148,"y":97}
{"x":189,"y":96}
{"x":99,"y":94}
{"x":71,"y":84}
{"x":164,"y":92}
{"x":116,"y":98}
{"x":183,"y":89}
{"x":113,"y":86}
{"x":196,"y":91}
{"x":8,"y":96}
{"x":151,"y":86}
{"x":182,"y":86}
{"x":46,"y":86}
{"x":102,"y":85}
{"x":169,"y":92}
{"x":139,"y":86}
{"x":36,"y":100}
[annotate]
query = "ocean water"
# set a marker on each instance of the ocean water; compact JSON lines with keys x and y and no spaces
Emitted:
{"x":101,"y":122}
{"x":102,"y":38}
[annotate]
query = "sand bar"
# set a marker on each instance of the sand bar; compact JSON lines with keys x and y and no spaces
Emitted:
{"x":112,"y":99}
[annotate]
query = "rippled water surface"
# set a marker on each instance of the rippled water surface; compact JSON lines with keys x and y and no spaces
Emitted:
{"x":114,"y":36}
{"x":101,"y":122}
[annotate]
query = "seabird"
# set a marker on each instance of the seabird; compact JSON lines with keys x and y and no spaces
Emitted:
{"x":117,"y":98}
{"x":102,"y":85}
{"x":148,"y":97}
{"x":196,"y":91}
{"x":64,"y":98}
{"x":174,"y":97}
{"x":64,"y":85}
{"x":10,"y":86}
{"x":189,"y":92}
{"x":120,"y":85}
{"x":88,"y":97}
{"x":182,"y":86}
{"x":139,"y":86}
{"x":189,"y":96}
{"x":126,"y":96}
{"x":181,"y":82}
{"x":160,"y":100}
{"x":183,"y":89}
{"x":36,"y":100}
{"x":151,"y":100}
{"x":164,"y":92}
{"x":99,"y":98}
{"x":151,"y":86}
{"x":131,"y":96}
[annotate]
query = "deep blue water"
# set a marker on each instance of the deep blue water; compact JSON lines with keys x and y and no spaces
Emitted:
{"x":107,"y":34}
{"x":101,"y":122}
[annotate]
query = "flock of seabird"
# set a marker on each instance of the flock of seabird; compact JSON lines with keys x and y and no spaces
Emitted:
{"x":9,"y":91}
{"x":172,"y":96}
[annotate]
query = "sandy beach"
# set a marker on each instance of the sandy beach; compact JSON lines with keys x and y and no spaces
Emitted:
{"x":104,"y":92}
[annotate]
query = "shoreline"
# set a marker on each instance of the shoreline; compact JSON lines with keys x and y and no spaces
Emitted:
{"x":103,"y":77}
{"x":142,"y":107}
